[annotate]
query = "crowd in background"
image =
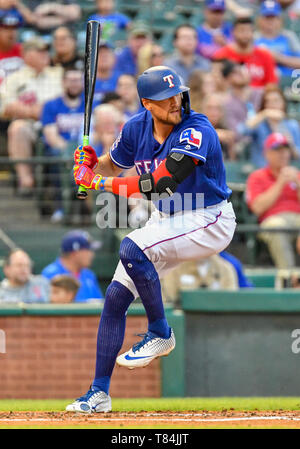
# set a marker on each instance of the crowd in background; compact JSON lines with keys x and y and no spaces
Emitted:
{"x":235,"y":65}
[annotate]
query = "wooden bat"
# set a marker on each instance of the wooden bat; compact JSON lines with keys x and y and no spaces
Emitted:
{"x":93,"y":31}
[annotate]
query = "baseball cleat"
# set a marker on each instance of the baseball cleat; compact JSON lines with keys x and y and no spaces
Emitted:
{"x":93,"y":401}
{"x":142,"y":353}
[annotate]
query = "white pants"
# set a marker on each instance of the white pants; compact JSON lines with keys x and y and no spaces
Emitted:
{"x":169,"y":240}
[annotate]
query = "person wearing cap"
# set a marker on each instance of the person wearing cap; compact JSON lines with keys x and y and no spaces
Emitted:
{"x":77,"y":252}
{"x":184,"y":59}
{"x":108,"y":71}
{"x":22,"y":95}
{"x":259,"y":61}
{"x":127,"y":58}
{"x":284,"y":44}
{"x":11,"y":58}
{"x":214,"y":33}
{"x":111,"y":21}
{"x":273,"y":195}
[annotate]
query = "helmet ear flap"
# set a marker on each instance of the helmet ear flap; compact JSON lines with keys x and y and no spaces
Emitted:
{"x":186,"y":102}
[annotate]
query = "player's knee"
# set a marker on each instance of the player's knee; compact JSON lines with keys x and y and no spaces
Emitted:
{"x":130,"y":251}
{"x":135,"y":262}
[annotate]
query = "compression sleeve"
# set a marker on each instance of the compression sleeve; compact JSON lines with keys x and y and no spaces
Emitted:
{"x":132,"y":182}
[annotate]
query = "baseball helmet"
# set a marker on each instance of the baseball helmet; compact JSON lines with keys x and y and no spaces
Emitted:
{"x":161,"y":82}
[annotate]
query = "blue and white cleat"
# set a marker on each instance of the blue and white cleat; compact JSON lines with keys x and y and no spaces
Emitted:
{"x":142,"y":353}
{"x":93,"y":401}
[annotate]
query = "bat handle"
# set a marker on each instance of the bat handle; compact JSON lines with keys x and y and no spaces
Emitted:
{"x":82,"y":191}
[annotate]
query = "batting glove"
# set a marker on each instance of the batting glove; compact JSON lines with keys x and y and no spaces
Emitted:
{"x":86,"y":155}
{"x":85,"y":177}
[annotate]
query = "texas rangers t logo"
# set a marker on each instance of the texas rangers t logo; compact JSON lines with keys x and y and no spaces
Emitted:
{"x":192,"y":136}
{"x":169,"y":79}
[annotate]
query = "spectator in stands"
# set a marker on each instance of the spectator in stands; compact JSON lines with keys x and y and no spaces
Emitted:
{"x":243,"y":101}
{"x":22,"y":96}
{"x":272,"y":117}
{"x":114,"y":99}
{"x":107,"y":123}
{"x":62,"y":120}
{"x":126,"y":88}
{"x":150,"y":55}
{"x":127,"y":58}
{"x":273,"y":195}
{"x":260,"y":62}
{"x":185,"y":60}
{"x":63,"y":289}
{"x":46,"y":16}
{"x":213,"y":273}
{"x":242,"y":8}
{"x":214,"y":33}
{"x":77,"y":252}
{"x":10,"y":50}
{"x":111,"y":20}
{"x":284,"y":44}
{"x":290,"y":8}
{"x":107,"y":71}
{"x":213,"y":109}
{"x":204,"y":84}
{"x":65,"y":49}
{"x":20,"y":285}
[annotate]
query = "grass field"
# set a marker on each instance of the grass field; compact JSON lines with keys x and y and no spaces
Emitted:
{"x":171,"y":413}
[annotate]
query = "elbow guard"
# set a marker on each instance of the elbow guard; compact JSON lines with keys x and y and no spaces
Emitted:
{"x":180,"y":166}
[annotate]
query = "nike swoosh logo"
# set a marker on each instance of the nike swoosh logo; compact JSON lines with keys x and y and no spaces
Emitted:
{"x":128,"y":357}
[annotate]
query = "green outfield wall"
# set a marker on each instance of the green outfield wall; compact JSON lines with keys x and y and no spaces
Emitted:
{"x":227,"y":344}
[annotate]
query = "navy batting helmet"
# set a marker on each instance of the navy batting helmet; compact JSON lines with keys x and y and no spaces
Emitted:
{"x":161,"y":82}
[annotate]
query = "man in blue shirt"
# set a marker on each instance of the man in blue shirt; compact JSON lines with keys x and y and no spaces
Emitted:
{"x":184,"y":59}
{"x":127,"y":62}
{"x":77,"y":252}
{"x":62,"y":120}
{"x":284,"y":44}
{"x":108,"y":71}
{"x":178,"y":158}
{"x":111,"y":20}
{"x":214,"y":33}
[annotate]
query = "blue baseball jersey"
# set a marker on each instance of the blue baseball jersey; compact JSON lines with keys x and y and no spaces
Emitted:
{"x":195,"y":137}
{"x":111,"y":23}
{"x":68,"y":120}
{"x":280,"y":44}
{"x":89,"y":285}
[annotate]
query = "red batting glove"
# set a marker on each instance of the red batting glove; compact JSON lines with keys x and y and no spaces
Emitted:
{"x":86,"y":155}
{"x":85,"y":177}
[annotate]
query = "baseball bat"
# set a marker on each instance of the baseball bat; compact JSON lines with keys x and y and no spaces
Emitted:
{"x":93,"y":31}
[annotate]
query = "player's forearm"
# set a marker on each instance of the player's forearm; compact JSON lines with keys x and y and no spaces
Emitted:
{"x":106,"y":167}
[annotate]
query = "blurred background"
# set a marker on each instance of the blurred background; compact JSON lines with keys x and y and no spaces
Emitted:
{"x":241,"y":61}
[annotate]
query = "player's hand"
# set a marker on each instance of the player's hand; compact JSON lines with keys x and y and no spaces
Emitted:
{"x":86,"y":155}
{"x":85,"y":177}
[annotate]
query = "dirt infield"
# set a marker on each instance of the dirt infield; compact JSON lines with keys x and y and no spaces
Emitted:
{"x":203,"y":419}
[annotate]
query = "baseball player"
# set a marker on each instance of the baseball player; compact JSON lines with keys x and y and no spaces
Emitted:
{"x":177,"y":155}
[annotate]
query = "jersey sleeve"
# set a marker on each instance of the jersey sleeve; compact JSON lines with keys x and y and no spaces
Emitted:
{"x":121,"y":152}
{"x":195,"y":143}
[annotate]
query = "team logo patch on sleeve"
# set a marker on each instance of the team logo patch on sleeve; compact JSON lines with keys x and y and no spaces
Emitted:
{"x":191,"y":136}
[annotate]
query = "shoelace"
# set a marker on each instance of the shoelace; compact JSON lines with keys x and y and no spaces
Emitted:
{"x":88,"y":395}
{"x":147,"y":337}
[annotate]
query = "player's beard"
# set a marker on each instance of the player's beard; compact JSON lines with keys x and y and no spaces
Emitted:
{"x":173,"y":119}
